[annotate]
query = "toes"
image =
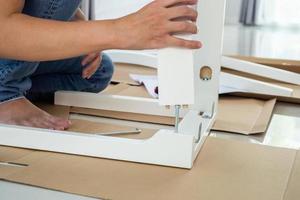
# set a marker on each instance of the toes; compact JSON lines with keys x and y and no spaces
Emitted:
{"x":60,"y":124}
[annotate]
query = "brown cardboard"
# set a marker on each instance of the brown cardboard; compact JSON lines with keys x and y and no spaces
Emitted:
{"x":293,"y":192}
{"x":122,"y":72}
{"x":89,"y":127}
{"x":224,"y":170}
{"x":125,"y":89}
{"x":58,"y":111}
{"x":235,"y":114}
{"x":244,"y":115}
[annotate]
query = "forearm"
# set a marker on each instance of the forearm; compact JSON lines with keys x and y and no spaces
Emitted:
{"x":32,"y":39}
{"x":27,"y":38}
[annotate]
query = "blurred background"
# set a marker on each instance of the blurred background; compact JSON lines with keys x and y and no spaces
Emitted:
{"x":261,"y":28}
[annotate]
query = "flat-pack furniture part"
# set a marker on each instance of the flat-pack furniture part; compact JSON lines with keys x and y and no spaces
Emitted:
{"x":166,"y":147}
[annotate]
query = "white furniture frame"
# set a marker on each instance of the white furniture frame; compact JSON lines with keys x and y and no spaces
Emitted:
{"x":149,"y":59}
{"x":261,"y":70}
{"x":166,"y":147}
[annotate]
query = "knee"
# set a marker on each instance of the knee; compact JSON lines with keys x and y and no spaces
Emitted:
{"x":107,"y":66}
{"x":11,"y":70}
{"x":102,"y":77}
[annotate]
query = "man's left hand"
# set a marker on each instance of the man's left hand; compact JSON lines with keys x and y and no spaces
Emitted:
{"x":91,"y":62}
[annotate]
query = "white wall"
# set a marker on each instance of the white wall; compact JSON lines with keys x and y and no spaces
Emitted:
{"x":233,"y":9}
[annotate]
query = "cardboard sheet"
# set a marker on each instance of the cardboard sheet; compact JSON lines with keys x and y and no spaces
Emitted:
{"x":244,"y":115}
{"x":236,"y":115}
{"x":293,"y":192}
{"x":58,"y":111}
{"x":89,"y":127}
{"x":224,"y":170}
{"x":122,"y":72}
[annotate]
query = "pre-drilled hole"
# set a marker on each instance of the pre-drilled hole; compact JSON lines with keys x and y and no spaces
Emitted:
{"x":205,"y":73}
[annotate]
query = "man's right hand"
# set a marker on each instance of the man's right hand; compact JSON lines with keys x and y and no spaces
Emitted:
{"x":154,"y":26}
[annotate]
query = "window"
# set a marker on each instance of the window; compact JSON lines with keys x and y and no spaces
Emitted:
{"x":279,"y":13}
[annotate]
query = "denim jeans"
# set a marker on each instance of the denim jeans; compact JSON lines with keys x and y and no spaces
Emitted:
{"x":40,"y":80}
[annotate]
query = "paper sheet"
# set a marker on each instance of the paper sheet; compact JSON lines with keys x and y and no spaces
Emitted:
{"x":151,"y":84}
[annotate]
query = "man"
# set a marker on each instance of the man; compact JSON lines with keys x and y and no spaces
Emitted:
{"x":46,"y":45}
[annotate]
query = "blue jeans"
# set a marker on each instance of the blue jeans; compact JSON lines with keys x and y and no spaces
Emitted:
{"x":39,"y":81}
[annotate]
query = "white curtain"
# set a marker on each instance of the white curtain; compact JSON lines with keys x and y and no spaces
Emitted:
{"x":279,"y":13}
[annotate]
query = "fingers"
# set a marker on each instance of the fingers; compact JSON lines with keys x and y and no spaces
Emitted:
{"x":178,"y":42}
{"x":92,"y":67}
{"x":169,"y":3}
{"x":89,"y":58}
{"x":154,"y":25}
{"x":184,"y":12}
{"x":182,"y":27}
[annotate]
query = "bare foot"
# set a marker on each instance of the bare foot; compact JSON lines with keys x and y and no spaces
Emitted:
{"x":22,"y":112}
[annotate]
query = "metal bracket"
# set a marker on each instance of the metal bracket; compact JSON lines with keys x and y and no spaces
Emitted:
{"x":177,"y":113}
{"x":199,"y":134}
{"x":211,"y":115}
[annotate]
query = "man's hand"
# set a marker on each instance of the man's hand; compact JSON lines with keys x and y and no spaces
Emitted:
{"x":91,"y":62}
{"x":154,"y":25}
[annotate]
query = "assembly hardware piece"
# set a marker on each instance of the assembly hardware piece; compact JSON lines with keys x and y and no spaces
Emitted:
{"x":177,"y":113}
{"x":179,"y":84}
{"x":118,"y":133}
